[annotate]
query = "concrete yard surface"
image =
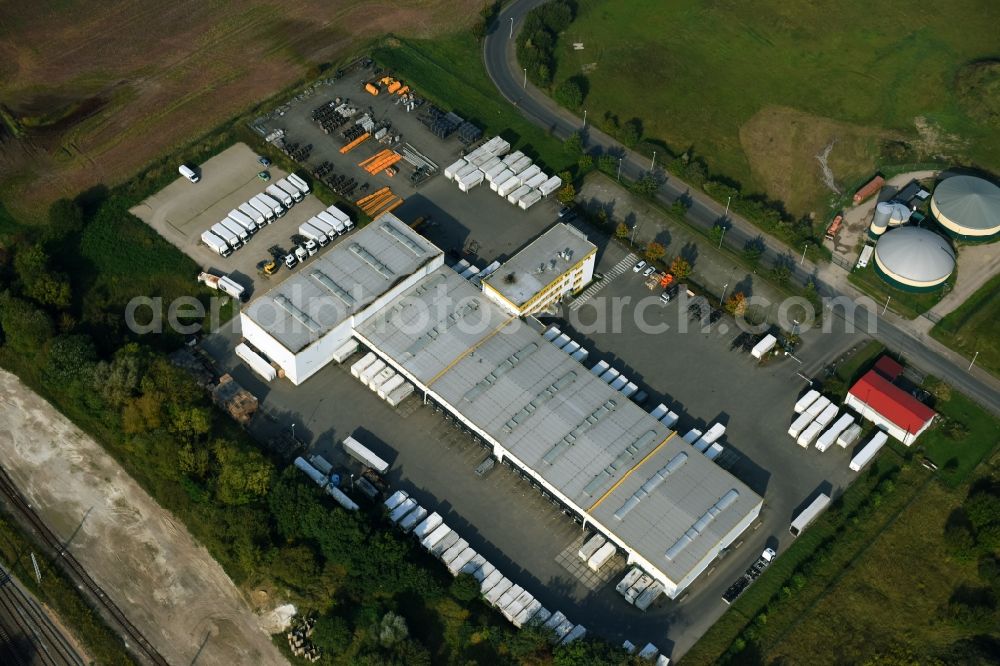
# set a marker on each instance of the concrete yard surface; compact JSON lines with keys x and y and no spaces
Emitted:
{"x":182,"y":210}
{"x":167,"y":584}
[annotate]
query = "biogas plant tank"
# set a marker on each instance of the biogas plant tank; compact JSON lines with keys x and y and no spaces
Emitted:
{"x":888,"y":214}
{"x":914,"y":259}
{"x":967,"y":207}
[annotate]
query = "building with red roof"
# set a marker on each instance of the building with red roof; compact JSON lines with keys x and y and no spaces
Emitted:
{"x":889,"y":368}
{"x":889,"y":407}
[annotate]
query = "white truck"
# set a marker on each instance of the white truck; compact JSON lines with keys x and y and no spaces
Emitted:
{"x":274,"y":203}
{"x":332,"y":222}
{"x":809,"y":514}
{"x":300,"y":184}
{"x":224,"y":284}
{"x":243,"y":220}
{"x":263,"y":208}
{"x":340,"y":215}
{"x":291,"y":190}
{"x":312,"y":232}
{"x":226,"y":234}
{"x":209,"y":238}
{"x":236,"y":228}
{"x":254,"y":214}
{"x":283,"y":197}
{"x":189,"y":173}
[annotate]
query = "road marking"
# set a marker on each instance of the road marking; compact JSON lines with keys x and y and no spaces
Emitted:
{"x":618,"y":269}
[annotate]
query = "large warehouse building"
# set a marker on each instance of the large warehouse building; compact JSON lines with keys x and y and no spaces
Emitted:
{"x":967,"y":207}
{"x":628,"y":476}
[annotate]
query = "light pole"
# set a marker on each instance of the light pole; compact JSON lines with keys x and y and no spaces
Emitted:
{"x":803,"y":260}
{"x":634,"y":229}
{"x":293,"y":431}
{"x":352,"y":481}
{"x":888,"y":298}
{"x":974,"y":357}
{"x":585,"y":119}
{"x":722,"y":236}
{"x":511,"y":28}
{"x":652,"y":165}
{"x":728,"y":201}
{"x":724,"y":288}
{"x":525,"y":78}
{"x":619,"y":169}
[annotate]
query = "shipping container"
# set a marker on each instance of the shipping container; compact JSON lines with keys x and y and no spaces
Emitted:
{"x":396,"y":499}
{"x":408,"y":505}
{"x":317,"y":476}
{"x":800,"y":424}
{"x":590,"y":546}
{"x":808,"y":435}
{"x":601,"y":556}
{"x":809,"y":514}
{"x":362,"y":364}
{"x":849,"y":436}
{"x":806,"y":400}
{"x":363,"y":454}
{"x":508,"y":186}
{"x":529,"y":199}
{"x":501,"y":178}
{"x":399,"y":395}
{"x":550,"y":186}
{"x":648,"y":596}
{"x":341,"y":499}
{"x":516,"y":195}
{"x":671,"y":419}
{"x":410,"y":520}
{"x":256,"y":362}
{"x":599,"y":369}
{"x":827,"y":416}
{"x":427,"y":525}
{"x":345,"y":351}
{"x":868,"y":452}
{"x":536,"y":181}
{"x":634,"y":574}
{"x":466,"y":183}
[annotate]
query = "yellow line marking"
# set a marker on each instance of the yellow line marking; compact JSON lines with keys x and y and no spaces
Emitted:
{"x":469,"y":351}
{"x":628,"y":473}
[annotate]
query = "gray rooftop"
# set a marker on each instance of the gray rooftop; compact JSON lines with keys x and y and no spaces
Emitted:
{"x":542,"y":261}
{"x":338,"y":283}
{"x":557,"y":418}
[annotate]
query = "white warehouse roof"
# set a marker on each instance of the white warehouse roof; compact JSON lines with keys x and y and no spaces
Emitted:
{"x":588,"y":442}
{"x":541,"y":262}
{"x":341,"y":282}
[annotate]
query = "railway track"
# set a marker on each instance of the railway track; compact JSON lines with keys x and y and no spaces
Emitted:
{"x":41,"y":642}
{"x":134,"y":638}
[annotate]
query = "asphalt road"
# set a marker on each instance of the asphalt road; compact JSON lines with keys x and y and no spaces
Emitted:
{"x":508,"y":76}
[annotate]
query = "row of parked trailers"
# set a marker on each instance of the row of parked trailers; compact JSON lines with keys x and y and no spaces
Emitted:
{"x":512,"y":176}
{"x":618,"y":381}
{"x":235,"y":230}
{"x":565,"y":343}
{"x":638,"y":588}
{"x":819,"y":420}
{"x":515,"y":603}
{"x":326,"y":226}
{"x":706,"y":443}
{"x":377,"y":375}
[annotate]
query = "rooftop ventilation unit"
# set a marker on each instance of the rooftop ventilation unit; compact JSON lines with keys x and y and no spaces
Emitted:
{"x":333,"y":287}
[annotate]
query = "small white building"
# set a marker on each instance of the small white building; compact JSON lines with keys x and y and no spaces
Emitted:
{"x":559,"y":262}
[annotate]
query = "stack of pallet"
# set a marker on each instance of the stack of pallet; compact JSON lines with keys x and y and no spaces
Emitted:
{"x":381,"y":201}
{"x":381,"y":161}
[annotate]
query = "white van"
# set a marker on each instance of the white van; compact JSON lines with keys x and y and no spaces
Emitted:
{"x":189,"y":173}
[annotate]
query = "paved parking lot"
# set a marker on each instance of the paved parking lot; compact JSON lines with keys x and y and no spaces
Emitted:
{"x":181,"y":211}
{"x":479,"y":223}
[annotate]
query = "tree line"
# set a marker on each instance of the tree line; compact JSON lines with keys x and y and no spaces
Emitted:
{"x":377,"y":596}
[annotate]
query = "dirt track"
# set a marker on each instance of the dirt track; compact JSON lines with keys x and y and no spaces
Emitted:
{"x":149,"y":564}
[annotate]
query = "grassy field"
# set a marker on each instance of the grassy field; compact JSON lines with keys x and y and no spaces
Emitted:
{"x":759,"y":89}
{"x":93,"y":98}
{"x":972,"y":327}
{"x":449,"y":71}
{"x":905,"y":303}
{"x":959,"y":454}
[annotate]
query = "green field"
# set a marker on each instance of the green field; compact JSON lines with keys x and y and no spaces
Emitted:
{"x":758,"y":89}
{"x":449,"y":71}
{"x":972,"y":327}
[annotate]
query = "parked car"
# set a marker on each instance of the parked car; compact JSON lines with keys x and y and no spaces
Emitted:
{"x":264,"y":176}
{"x":639,"y":266}
{"x":649,"y":271}
{"x":264,"y":161}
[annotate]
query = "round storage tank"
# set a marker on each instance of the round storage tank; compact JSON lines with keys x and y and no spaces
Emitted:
{"x":914,"y":259}
{"x":883,"y":211}
{"x":967,"y":207}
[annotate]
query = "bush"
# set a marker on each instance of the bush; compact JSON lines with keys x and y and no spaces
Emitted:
{"x":569,"y":93}
{"x":465,"y":587}
{"x":631,"y":133}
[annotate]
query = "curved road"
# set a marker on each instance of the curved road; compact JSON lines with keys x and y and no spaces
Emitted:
{"x":927,"y":354}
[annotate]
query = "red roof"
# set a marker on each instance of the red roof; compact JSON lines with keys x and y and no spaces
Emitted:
{"x":889,"y":368}
{"x":892,"y":402}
